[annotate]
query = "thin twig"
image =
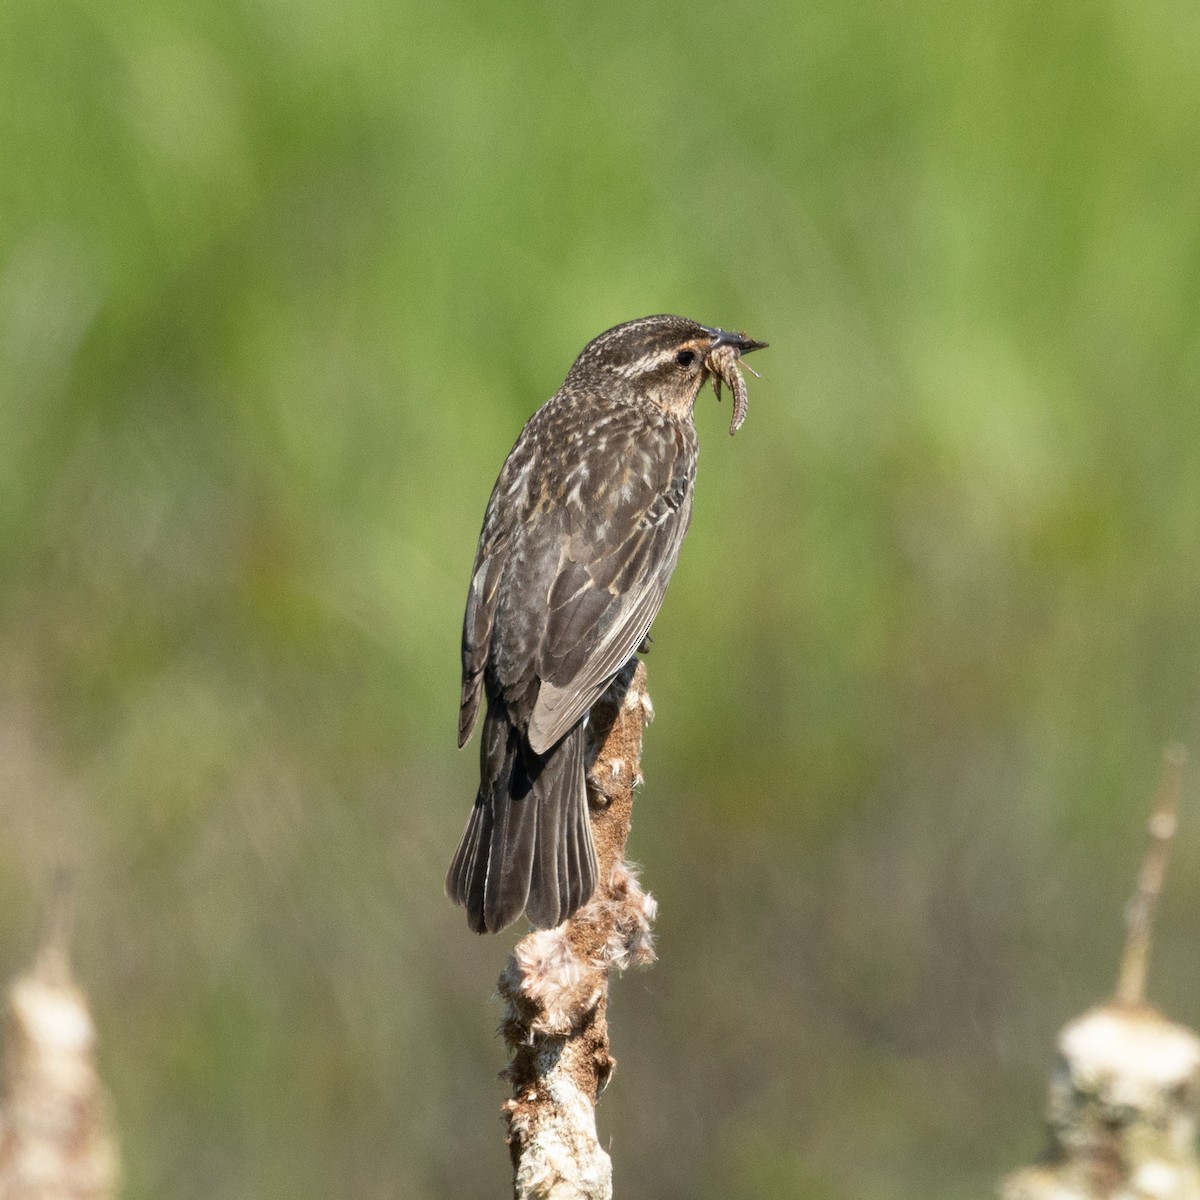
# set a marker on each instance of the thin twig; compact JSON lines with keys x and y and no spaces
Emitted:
{"x":55,"y":950}
{"x":1139,"y":915}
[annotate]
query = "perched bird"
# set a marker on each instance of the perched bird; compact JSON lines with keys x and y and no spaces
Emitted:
{"x":579,"y":540}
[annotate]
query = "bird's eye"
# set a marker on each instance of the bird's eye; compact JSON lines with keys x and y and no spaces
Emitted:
{"x":685,"y":358}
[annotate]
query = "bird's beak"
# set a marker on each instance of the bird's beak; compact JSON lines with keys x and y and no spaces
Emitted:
{"x":739,"y":341}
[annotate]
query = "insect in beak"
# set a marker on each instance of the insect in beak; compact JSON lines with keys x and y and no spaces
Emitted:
{"x":722,"y":361}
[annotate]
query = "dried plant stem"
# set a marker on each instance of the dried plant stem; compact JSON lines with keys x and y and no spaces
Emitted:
{"x":1139,"y":916}
{"x":1122,"y":1108}
{"x":556,"y":982}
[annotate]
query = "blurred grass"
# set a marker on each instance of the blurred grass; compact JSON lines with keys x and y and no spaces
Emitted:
{"x":279,"y":284}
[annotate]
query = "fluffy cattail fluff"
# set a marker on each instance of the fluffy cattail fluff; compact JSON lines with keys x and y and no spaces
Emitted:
{"x":56,"y":1139}
{"x":1121,"y":1112}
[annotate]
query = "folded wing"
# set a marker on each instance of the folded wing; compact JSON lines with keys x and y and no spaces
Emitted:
{"x":626,"y":526}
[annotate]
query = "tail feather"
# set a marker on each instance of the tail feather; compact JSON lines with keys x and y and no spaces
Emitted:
{"x":555,"y":890}
{"x":584,"y":867}
{"x":510,"y":856}
{"x":528,"y":842}
{"x":543,"y":905}
{"x":462,"y":869}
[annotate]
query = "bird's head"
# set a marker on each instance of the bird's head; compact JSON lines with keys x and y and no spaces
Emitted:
{"x":663,"y":360}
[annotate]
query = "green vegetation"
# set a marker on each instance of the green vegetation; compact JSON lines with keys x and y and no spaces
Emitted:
{"x":278,"y":286}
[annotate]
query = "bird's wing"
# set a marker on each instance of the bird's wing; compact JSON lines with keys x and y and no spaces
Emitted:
{"x":626,"y":527}
{"x":477,"y":632}
{"x":509,"y":494}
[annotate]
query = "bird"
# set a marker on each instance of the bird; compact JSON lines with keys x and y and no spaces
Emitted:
{"x":579,"y":540}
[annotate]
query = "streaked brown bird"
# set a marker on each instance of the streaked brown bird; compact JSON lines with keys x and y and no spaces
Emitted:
{"x":579,"y":540}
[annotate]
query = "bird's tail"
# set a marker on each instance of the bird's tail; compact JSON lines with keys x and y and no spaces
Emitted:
{"x":528,"y":843}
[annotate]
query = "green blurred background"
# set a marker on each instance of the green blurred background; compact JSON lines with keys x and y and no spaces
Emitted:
{"x":279,"y":284}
